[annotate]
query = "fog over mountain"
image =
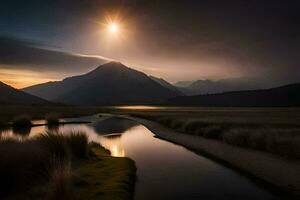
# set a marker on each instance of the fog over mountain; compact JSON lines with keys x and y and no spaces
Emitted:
{"x":222,"y":85}
{"x":109,"y":84}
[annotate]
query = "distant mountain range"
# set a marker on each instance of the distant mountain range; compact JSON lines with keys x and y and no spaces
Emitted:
{"x":110,"y":84}
{"x":288,"y":95}
{"x":223,"y":85}
{"x":115,"y":84}
{"x":183,"y":84}
{"x":166,"y":84}
{"x":12,"y":96}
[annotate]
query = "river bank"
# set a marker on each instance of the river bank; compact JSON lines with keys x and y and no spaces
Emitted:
{"x":278,"y":172}
{"x":56,"y":165}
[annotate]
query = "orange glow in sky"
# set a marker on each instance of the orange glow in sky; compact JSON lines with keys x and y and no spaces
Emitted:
{"x":22,"y":78}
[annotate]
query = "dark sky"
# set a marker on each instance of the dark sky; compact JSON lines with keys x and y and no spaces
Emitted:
{"x":175,"y":40}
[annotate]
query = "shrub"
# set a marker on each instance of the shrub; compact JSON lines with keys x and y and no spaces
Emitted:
{"x":22,"y":121}
{"x":52,"y":119}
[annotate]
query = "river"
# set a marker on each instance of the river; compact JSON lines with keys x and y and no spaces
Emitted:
{"x":164,"y":170}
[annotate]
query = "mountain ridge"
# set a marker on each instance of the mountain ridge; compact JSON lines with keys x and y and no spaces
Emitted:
{"x":13,"y":96}
{"x":109,"y":84}
{"x":287,"y":95}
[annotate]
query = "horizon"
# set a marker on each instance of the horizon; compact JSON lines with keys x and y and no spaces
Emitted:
{"x":194,"y":41}
{"x":149,"y":99}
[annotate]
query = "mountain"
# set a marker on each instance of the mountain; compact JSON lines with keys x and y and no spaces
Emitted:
{"x":223,"y":85}
{"x":288,"y":95}
{"x":183,"y":84}
{"x":12,"y":96}
{"x":110,"y":84}
{"x":166,"y":84}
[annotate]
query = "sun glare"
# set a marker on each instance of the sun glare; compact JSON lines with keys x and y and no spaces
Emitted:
{"x":113,"y":27}
{"x":114,"y":30}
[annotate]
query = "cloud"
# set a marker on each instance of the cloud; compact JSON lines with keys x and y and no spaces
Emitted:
{"x":28,"y":55}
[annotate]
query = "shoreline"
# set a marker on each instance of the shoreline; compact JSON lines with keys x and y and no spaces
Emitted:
{"x":272,"y":170}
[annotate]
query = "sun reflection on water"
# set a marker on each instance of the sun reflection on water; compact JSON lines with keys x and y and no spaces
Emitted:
{"x":114,"y":145}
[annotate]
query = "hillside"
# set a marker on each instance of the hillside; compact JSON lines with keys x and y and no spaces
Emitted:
{"x":110,"y":84}
{"x":166,"y":84}
{"x":201,"y":87}
{"x":12,"y":96}
{"x":288,"y":95}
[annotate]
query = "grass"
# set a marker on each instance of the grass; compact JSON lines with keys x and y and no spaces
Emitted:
{"x":273,"y":130}
{"x":57,"y":166}
{"x":105,"y":177}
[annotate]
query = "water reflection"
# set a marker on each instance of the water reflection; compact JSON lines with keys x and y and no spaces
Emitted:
{"x":113,"y":143}
{"x":164,"y":170}
{"x":113,"y":125}
{"x":167,"y":171}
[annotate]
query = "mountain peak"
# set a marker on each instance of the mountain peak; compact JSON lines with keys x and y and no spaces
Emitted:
{"x":110,"y":84}
{"x":112,"y":64}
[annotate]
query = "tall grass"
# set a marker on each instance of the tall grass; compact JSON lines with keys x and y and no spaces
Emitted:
{"x":278,"y":141}
{"x":25,"y":163}
{"x":275,"y":138}
{"x":60,"y":187}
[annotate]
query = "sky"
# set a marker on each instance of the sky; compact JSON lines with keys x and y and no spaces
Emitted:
{"x":176,"y":40}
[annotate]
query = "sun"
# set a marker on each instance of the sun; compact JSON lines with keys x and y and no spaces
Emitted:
{"x":113,"y":27}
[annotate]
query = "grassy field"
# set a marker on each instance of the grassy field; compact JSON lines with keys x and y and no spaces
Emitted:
{"x":274,"y":130}
{"x":56,"y":166}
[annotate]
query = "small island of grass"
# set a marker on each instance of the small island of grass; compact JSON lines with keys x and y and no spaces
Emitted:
{"x":62,"y":166}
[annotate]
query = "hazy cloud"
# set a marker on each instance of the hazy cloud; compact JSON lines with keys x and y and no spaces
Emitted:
{"x":27,"y":55}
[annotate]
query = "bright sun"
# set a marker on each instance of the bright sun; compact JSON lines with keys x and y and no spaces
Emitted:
{"x":113,"y":27}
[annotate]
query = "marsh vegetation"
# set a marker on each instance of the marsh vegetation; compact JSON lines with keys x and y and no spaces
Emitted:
{"x":276,"y":131}
{"x":54,"y":165}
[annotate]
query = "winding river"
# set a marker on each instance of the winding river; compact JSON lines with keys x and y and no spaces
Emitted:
{"x":164,"y":170}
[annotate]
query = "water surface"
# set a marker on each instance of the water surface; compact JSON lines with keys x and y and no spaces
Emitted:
{"x":164,"y":170}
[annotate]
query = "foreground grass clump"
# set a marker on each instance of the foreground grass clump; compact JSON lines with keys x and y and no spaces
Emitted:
{"x":57,"y":166}
{"x":22,"y":122}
